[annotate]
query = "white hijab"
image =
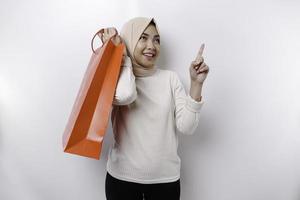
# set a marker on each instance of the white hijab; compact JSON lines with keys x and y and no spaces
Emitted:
{"x":131,"y":33}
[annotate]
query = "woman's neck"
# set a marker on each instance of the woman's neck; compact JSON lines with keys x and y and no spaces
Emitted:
{"x":141,"y":71}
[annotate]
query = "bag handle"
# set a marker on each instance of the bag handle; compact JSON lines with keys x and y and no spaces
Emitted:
{"x":100,"y":34}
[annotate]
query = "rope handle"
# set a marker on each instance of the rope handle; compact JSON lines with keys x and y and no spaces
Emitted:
{"x":100,"y":34}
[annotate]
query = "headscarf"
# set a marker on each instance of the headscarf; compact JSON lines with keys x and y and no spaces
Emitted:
{"x":131,"y":33}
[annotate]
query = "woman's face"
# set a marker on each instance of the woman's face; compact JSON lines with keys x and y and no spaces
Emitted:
{"x":146,"y":51}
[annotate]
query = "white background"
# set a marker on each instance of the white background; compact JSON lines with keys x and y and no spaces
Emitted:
{"x":247,"y":145}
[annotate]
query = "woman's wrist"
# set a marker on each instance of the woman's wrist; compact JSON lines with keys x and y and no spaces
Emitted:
{"x":196,"y":90}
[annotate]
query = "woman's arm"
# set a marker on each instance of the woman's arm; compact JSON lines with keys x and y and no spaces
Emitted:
{"x":125,"y":92}
{"x":187,"y":110}
{"x":126,"y":89}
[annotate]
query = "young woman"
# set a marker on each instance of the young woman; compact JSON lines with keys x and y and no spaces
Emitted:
{"x":150,"y":108}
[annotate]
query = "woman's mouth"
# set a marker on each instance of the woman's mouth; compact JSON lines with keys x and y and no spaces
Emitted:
{"x":149,"y":56}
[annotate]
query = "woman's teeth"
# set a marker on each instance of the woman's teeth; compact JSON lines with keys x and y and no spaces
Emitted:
{"x":149,"y":55}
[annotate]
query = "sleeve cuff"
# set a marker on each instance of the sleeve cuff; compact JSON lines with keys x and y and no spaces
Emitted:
{"x":194,"y":105}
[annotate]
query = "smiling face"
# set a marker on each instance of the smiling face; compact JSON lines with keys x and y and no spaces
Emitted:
{"x":147,"y":49}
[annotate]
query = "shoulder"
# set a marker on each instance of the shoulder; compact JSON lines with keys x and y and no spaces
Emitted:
{"x":171,"y":76}
{"x":169,"y":73}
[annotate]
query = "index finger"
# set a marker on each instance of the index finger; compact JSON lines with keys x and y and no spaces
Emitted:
{"x":199,"y":55}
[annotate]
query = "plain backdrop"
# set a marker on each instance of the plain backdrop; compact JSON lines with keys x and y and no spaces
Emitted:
{"x":247,"y":144}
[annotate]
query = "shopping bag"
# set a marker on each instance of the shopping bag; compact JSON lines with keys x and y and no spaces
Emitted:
{"x":89,"y":117}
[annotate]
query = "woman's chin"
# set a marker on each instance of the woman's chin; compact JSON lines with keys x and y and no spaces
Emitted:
{"x":148,"y":63}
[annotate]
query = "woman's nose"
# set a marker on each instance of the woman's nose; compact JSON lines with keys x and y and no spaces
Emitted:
{"x":150,"y":45}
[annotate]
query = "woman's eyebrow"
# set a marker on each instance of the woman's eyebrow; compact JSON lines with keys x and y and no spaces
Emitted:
{"x":148,"y":35}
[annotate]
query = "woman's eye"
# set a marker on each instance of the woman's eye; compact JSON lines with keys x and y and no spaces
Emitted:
{"x":143,"y":38}
{"x":157,"y":40}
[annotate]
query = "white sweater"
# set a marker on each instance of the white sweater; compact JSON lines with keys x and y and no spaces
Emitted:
{"x":148,"y":113}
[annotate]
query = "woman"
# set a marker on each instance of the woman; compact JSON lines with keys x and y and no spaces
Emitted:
{"x":150,"y":108}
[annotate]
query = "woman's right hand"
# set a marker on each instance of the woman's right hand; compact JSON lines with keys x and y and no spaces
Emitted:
{"x":108,"y":33}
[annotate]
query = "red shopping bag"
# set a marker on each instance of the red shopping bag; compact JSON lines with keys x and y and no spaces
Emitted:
{"x":89,"y":118}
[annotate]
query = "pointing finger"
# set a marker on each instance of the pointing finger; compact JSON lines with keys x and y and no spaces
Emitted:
{"x":199,"y":55}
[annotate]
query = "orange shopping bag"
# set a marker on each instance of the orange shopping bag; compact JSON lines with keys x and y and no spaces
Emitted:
{"x":89,"y":118}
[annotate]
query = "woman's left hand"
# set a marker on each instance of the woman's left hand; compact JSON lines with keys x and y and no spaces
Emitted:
{"x":199,"y":69}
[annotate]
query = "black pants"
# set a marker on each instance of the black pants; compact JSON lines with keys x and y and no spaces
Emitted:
{"x":116,"y":189}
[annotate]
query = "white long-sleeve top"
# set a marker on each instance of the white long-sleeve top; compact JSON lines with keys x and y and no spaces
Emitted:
{"x":148,"y":113}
